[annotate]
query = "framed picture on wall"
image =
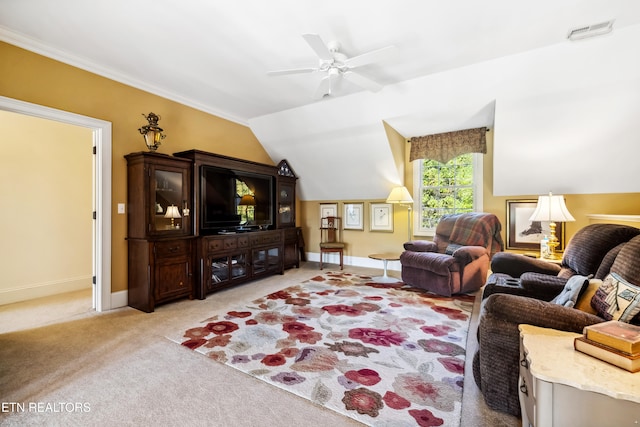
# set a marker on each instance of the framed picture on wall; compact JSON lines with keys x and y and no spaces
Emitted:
{"x":326,"y":210}
{"x":381,"y":217}
{"x":524,"y":234}
{"x":353,"y":219}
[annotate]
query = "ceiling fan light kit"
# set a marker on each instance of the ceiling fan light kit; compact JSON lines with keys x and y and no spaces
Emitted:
{"x":336,"y":65}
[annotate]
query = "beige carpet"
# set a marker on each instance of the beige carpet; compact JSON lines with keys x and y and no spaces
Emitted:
{"x":117,"y":368}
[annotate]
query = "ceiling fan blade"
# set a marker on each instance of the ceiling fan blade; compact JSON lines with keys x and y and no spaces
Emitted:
{"x":324,"y":88}
{"x":292,"y":71}
{"x":362,"y":81}
{"x":318,"y":46}
{"x":369,"y":57}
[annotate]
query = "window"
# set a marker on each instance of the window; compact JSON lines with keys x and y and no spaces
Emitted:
{"x":441,"y":189}
{"x":246,"y":202}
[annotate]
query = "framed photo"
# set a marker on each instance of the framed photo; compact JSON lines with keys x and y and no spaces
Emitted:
{"x":353,"y":218}
{"x":381,"y":217}
{"x":327,"y":209}
{"x":524,"y":234}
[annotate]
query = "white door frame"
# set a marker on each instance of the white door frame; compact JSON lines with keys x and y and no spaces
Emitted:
{"x":102,"y":188}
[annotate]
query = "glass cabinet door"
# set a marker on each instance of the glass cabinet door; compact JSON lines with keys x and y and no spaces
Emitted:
{"x":170,"y":213}
{"x":286,"y":200}
{"x":264,"y":260}
{"x":227,"y":268}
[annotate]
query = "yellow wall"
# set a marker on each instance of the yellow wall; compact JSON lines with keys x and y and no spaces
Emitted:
{"x":45,"y":220}
{"x":580,"y":205}
{"x":363,"y":243}
{"x":39,"y":80}
{"x":33,"y":78}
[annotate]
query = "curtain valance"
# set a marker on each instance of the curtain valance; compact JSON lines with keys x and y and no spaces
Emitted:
{"x":445,"y":146}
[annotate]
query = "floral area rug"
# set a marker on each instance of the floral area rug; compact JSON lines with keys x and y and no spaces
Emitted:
{"x":382,"y":354}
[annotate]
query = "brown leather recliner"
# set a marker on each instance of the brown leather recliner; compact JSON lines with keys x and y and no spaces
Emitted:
{"x":596,"y":249}
{"x":457,"y":260}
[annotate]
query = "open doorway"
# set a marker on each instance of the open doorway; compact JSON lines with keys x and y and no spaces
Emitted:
{"x":101,"y":136}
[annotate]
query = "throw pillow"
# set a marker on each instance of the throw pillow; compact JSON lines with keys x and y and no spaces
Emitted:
{"x":571,"y":291}
{"x":617,"y":299}
{"x":451,"y":248}
{"x":584,"y":300}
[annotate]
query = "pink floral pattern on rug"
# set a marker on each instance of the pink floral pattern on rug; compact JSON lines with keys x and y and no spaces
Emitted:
{"x":383,"y":354}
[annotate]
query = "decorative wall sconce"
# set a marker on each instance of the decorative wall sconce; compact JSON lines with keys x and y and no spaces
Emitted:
{"x":152,"y":132}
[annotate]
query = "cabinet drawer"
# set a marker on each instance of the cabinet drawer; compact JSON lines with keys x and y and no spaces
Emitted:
{"x":526,"y":390}
{"x":227,"y":243}
{"x":243,"y":242}
{"x":215,"y":245}
{"x":172,"y":248}
{"x":266,"y":238}
{"x":230,"y":243}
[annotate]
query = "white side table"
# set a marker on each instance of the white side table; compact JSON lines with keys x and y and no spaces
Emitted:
{"x":386,"y":257}
{"x":560,"y":386}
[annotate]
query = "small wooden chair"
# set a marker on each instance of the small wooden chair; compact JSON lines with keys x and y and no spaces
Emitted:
{"x":331,"y":238}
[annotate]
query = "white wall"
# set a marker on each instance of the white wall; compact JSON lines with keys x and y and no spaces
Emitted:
{"x":571,"y":125}
{"x":564,"y":118}
{"x":45,"y":219}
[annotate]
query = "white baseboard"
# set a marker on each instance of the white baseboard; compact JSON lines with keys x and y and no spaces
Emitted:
{"x":39,"y":290}
{"x":119,"y":299}
{"x":334,"y":258}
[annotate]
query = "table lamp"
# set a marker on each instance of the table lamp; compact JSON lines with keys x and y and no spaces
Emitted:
{"x":173,"y":213}
{"x":401,"y":196}
{"x":552,"y":209}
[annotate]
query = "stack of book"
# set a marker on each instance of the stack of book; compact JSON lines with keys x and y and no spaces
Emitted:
{"x":615,"y":342}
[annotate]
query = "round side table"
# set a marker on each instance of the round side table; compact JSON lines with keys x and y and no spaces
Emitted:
{"x":386,"y":257}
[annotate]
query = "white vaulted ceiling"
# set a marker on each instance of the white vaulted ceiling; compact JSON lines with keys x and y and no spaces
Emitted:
{"x":447,"y":73}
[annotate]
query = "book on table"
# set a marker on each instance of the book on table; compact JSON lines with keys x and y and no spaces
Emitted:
{"x":618,"y":335}
{"x":627,"y":361}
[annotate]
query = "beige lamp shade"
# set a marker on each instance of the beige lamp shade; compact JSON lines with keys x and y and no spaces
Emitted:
{"x":172,"y":212}
{"x":400,"y":195}
{"x":551,"y":208}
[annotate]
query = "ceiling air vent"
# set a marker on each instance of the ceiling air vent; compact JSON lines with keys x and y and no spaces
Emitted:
{"x":590,"y":31}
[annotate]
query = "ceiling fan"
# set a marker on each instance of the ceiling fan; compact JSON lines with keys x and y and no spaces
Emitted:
{"x":336,"y":65}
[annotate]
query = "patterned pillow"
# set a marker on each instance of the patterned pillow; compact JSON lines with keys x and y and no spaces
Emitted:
{"x":617,"y":299}
{"x":571,"y":291}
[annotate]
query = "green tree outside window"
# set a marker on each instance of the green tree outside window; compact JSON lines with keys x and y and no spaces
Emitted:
{"x":446,"y":189}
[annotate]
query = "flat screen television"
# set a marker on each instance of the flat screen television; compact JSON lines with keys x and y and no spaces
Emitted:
{"x":219,"y":199}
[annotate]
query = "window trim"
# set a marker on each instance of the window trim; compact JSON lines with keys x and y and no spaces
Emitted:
{"x":478,"y":192}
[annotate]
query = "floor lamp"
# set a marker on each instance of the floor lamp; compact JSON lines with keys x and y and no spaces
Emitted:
{"x":401,"y":196}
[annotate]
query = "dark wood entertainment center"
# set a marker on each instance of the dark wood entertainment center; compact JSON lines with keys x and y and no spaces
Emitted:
{"x":184,"y":237}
